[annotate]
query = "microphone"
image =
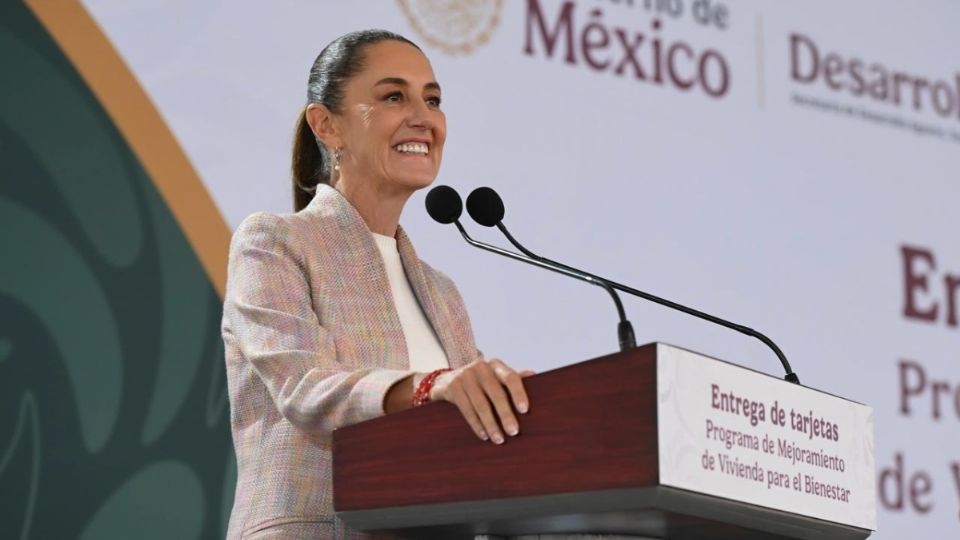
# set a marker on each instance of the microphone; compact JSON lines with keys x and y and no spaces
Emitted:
{"x":445,"y":206}
{"x":486,"y":208}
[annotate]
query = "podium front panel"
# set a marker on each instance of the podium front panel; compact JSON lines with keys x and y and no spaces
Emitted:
{"x":731,"y":432}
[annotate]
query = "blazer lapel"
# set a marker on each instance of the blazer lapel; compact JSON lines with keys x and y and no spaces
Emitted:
{"x":355,"y":249}
{"x":433,"y":306}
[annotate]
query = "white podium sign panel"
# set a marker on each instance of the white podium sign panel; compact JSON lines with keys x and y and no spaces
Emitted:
{"x":732,"y":432}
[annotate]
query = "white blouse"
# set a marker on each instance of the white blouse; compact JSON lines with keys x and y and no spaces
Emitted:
{"x":423,"y":348}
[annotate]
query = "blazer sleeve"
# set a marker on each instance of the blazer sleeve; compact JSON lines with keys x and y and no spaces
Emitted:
{"x":270,"y":312}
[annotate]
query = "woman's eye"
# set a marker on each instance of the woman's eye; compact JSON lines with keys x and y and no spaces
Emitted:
{"x":433,"y":101}
{"x":395,"y":96}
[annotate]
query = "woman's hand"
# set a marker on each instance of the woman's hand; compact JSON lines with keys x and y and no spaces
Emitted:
{"x":483,"y":391}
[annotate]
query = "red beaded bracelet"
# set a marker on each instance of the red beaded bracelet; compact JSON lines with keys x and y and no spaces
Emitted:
{"x":422,"y":395}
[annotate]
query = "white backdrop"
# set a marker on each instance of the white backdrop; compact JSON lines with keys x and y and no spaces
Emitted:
{"x":755,"y":205}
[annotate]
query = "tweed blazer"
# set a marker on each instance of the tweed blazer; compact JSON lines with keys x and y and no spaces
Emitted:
{"x":313,"y":342}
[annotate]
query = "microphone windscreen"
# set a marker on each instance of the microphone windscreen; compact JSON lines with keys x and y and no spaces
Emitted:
{"x":444,"y":204}
{"x":485,"y":206}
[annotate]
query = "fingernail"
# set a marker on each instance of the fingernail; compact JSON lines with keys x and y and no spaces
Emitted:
{"x":512,"y":429}
{"x":484,"y":436}
{"x":523,"y":407}
{"x":498,"y":438}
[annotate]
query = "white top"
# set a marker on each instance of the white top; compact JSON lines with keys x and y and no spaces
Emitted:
{"x":423,"y":348}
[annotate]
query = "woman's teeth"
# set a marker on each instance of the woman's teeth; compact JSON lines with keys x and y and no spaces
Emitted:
{"x":412,"y":148}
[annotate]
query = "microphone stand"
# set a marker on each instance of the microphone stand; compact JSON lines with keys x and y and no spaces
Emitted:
{"x":625,"y":333}
{"x":790,"y":376}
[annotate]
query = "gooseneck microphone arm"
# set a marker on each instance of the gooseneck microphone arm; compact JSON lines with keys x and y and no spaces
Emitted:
{"x":486,"y":208}
{"x":624,"y":328}
{"x":790,"y":376}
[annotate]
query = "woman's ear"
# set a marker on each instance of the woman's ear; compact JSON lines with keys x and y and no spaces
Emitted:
{"x":322,"y":124}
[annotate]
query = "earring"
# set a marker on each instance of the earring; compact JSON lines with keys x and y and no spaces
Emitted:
{"x":337,"y":154}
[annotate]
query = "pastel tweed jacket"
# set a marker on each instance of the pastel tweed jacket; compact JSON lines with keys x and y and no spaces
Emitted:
{"x":313,"y":342}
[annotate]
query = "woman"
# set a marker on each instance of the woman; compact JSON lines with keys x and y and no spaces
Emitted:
{"x":330,"y":318}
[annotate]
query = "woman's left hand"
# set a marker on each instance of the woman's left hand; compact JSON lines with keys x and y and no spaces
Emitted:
{"x":480,"y":390}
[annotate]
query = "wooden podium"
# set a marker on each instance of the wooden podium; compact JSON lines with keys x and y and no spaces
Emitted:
{"x":588,"y":459}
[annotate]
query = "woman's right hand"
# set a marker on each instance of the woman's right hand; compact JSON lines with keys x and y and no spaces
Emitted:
{"x":486,"y":392}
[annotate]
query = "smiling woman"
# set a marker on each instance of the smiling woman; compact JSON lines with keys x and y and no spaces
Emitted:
{"x":330,"y":318}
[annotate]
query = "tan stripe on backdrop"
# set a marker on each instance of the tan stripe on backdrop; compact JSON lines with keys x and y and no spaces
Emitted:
{"x":134,"y":115}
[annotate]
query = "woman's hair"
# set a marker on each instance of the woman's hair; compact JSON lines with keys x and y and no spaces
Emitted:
{"x":336,"y":64}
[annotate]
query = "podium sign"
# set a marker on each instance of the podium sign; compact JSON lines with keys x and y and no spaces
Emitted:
{"x":731,"y":432}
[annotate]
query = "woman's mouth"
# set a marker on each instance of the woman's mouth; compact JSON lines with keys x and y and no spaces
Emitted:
{"x":415,"y":148}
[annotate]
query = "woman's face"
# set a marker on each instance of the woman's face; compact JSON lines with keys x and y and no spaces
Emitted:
{"x":391,"y":125}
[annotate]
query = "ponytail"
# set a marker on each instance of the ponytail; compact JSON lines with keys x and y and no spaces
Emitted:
{"x":307,"y":165}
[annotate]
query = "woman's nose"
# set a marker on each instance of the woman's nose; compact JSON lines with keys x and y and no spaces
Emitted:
{"x":420,"y":117}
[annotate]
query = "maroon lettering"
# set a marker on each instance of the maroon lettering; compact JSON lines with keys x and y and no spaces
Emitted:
{"x":657,"y":47}
{"x":895,"y":87}
{"x":914,"y":282}
{"x":917,"y":85}
{"x":910,"y":371}
{"x":880,"y":87}
{"x":644,"y":57}
{"x":943,"y":99}
{"x":952,"y":285}
{"x":720,"y":88}
{"x":892,"y":498}
{"x":563,"y":25}
{"x":735,"y":404}
{"x":833,"y":66}
{"x":938,"y":387}
{"x":897,"y":487}
{"x":672,"y":63}
{"x":856,"y":73}
{"x":898,"y":79}
{"x":798,"y":42}
{"x":921,"y":486}
{"x":601,"y":41}
{"x":914,"y":383}
{"x":630,"y":46}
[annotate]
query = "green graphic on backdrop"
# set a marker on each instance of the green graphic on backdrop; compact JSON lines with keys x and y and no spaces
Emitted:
{"x":114,"y":420}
